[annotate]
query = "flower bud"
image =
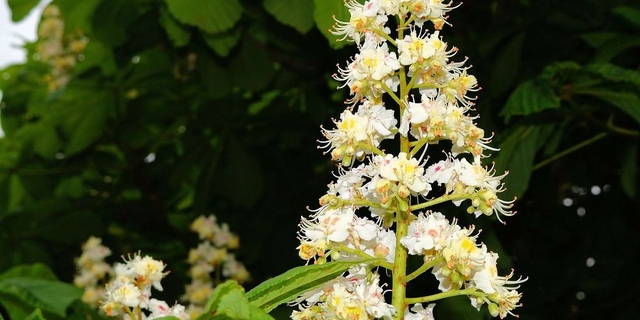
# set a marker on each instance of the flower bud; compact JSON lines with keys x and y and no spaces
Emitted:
{"x":494,"y":310}
{"x":403,"y":191}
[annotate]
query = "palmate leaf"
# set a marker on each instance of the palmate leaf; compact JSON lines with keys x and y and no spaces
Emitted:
{"x":517,"y":154}
{"x":298,"y":14}
{"x":50,"y":296}
{"x":614,"y":73}
{"x":627,"y":102}
{"x":291,"y":284}
{"x":530,"y":97}
{"x":228,"y":301}
{"x":212,"y":16}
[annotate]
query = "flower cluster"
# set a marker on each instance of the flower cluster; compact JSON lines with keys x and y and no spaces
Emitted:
{"x":129,"y":292}
{"x":357,"y":295}
{"x":459,"y":261}
{"x":415,"y":69}
{"x":211,"y":261}
{"x":93,"y":271}
{"x":61,"y":51}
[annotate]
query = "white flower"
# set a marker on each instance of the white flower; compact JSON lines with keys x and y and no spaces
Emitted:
{"x":369,"y":70}
{"x":428,"y":232}
{"x":363,"y":19}
{"x":420,"y":313}
{"x":502,"y":295}
{"x":414,"y":48}
{"x":330,"y":225}
{"x":124,"y":293}
{"x":148,"y":269}
{"x":407,"y":172}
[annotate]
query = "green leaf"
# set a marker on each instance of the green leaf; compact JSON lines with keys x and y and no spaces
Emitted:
{"x":178,"y":34}
{"x":630,"y":14}
{"x":297,"y":13}
{"x":35,"y":315}
{"x":213,"y":76}
{"x":111,"y":21}
{"x":50,"y":296}
{"x":17,"y":193}
{"x":530,"y":97}
{"x":87,"y":124}
{"x":291,"y":284}
{"x":21,"y":8}
{"x":212,"y":16}
{"x":78,"y":14}
{"x":597,"y":39}
{"x":517,"y":153}
{"x":615,"y":46}
{"x":222,"y":43}
{"x":508,"y":57}
{"x":614,"y":73}
{"x":626,"y":101}
{"x":48,"y":143}
{"x":323,"y":15}
{"x":36,"y":270}
{"x":629,"y":172}
{"x":97,"y":55}
{"x":251,"y":69}
{"x":228,"y":301}
{"x":243,"y":175}
{"x":266,"y":99}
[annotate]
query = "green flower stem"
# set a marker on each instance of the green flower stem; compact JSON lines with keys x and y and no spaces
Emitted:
{"x":363,"y":203}
{"x":393,"y":94}
{"x":441,"y":199}
{"x":372,"y":149}
{"x":412,"y":82}
{"x":399,"y":271}
{"x":386,"y":36}
{"x":424,"y":267}
{"x":399,"y":287}
{"x":447,"y":294}
{"x":418,"y":145}
{"x":569,"y":150}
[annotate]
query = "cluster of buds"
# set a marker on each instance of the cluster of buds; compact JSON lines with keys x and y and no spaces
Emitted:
{"x":56,"y":48}
{"x":93,"y":271}
{"x":400,"y":66}
{"x":129,"y":292}
{"x":211,"y":262}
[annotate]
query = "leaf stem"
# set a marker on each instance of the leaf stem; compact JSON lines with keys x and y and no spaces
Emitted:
{"x":569,"y":150}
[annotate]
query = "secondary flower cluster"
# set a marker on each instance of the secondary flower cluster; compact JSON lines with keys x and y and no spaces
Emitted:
{"x":357,"y":295}
{"x":412,"y":67}
{"x":211,"y":261}
{"x":93,"y":271}
{"x":459,"y":261}
{"x":129,"y":293}
{"x":59,"y":50}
